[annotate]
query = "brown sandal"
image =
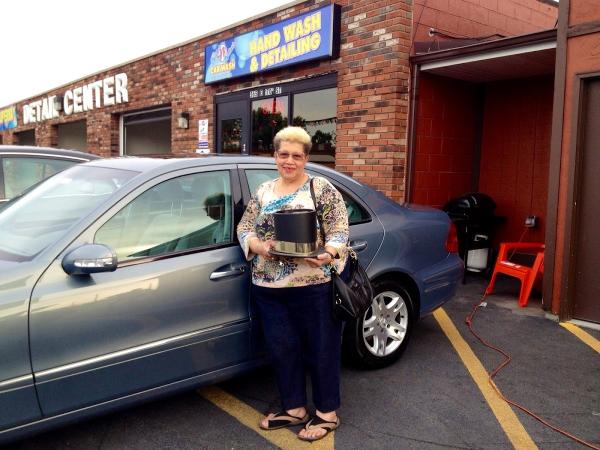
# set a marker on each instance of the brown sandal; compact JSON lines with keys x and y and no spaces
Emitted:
{"x":317,"y":422}
{"x":283,"y":419}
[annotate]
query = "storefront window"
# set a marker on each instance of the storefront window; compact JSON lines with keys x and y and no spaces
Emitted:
{"x":248,"y":120}
{"x":147,"y":133}
{"x":268,"y":117}
{"x":315,"y":111}
{"x":26,"y":137}
{"x":231,"y":135}
{"x":73,"y":135}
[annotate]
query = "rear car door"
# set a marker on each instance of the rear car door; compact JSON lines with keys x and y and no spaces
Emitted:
{"x":366,"y":231}
{"x":174,"y":311}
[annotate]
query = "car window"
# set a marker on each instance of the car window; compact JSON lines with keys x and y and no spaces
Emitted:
{"x":43,"y":215}
{"x":356,"y":213}
{"x":256,"y":177}
{"x":21,"y":173}
{"x":187,"y":212}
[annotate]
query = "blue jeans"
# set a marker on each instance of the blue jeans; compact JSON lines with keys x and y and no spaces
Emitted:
{"x":301,"y":333}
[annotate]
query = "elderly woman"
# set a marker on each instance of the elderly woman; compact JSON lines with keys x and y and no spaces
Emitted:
{"x":293,"y":295}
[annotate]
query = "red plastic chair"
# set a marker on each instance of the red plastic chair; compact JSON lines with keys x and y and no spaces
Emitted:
{"x":526,"y":274}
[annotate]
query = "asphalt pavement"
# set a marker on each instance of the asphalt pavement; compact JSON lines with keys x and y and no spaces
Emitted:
{"x":434,"y":397}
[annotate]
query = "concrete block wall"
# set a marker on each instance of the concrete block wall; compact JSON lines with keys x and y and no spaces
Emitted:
{"x":514,"y":165}
{"x":477,"y":18}
{"x":445,"y":143}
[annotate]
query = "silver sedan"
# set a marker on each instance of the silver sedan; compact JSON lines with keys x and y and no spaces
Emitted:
{"x":121,"y":280}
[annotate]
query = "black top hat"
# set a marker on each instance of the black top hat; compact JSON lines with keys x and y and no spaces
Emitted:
{"x":295,"y":232}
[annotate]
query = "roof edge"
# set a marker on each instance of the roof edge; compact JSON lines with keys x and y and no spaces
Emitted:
{"x":504,"y":43}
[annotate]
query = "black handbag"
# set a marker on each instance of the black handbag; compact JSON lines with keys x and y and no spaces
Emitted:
{"x":349,"y":299}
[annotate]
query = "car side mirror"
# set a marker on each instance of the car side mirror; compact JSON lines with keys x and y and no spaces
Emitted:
{"x":90,"y":258}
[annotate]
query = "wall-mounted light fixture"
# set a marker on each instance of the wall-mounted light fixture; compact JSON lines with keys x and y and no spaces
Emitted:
{"x":58,"y":103}
{"x":183,"y":120}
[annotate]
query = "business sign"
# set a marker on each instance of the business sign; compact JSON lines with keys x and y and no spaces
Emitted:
{"x":107,"y":92}
{"x":306,"y":37}
{"x":8,"y":118}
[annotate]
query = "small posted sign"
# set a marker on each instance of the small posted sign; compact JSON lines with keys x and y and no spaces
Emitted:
{"x":203,"y":137}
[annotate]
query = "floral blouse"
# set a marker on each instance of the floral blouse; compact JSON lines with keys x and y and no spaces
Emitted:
{"x":258,"y":222}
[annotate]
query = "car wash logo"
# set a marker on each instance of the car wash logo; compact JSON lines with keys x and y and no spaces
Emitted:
{"x":302,"y":38}
{"x":222,"y":60}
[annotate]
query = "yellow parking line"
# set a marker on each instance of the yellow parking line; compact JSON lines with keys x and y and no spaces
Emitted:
{"x":583,"y":335}
{"x":248,"y":416}
{"x":506,"y":417}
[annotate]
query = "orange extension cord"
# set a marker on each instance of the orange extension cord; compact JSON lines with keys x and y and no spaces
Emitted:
{"x":507,"y":359}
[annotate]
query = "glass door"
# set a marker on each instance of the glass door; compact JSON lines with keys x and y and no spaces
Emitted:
{"x":232,"y":127}
{"x":269,"y":115}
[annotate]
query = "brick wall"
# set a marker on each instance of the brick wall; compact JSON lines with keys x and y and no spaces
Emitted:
{"x":373,"y":94}
{"x":373,"y":75}
{"x":445,"y":141}
{"x":476,"y":18}
{"x":515,"y":164}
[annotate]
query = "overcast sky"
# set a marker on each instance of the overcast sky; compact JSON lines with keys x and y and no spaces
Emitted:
{"x":50,"y":43}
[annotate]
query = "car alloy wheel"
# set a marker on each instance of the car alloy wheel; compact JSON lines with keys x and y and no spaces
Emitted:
{"x":385,"y":323}
{"x":380,"y":337}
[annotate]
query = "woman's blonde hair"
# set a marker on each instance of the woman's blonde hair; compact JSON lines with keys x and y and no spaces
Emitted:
{"x":293,"y":134}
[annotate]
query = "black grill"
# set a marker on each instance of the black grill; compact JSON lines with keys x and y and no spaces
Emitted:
{"x":475,"y":220}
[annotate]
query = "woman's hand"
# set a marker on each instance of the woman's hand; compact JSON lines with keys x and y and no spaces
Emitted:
{"x":262,"y":248}
{"x":322,"y":258}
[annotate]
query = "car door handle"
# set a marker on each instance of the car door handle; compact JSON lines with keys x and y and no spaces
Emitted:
{"x":230,"y":270}
{"x":358,"y":246}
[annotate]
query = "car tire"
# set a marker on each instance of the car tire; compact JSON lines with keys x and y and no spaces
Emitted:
{"x":380,"y":337}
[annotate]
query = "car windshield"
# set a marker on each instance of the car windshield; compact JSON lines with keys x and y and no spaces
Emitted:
{"x":42,"y":216}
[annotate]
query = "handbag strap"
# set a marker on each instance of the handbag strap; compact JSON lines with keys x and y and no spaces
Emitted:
{"x":353,"y":256}
{"x":314,"y":199}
